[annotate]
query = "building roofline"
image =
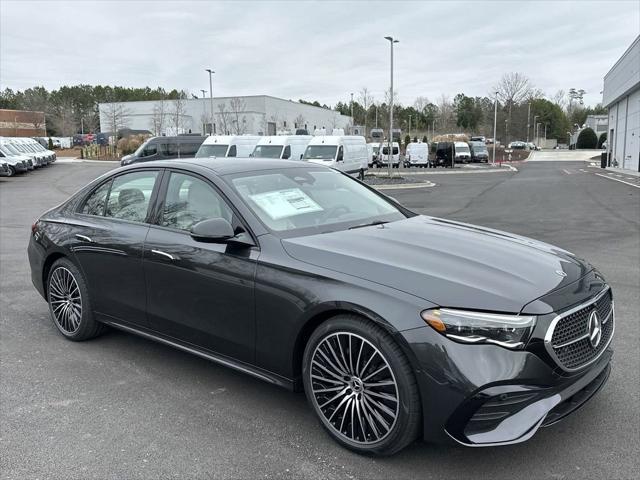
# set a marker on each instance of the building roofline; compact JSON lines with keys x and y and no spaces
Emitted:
{"x":623,"y":55}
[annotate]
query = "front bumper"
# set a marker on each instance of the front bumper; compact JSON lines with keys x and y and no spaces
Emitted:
{"x":486,"y":395}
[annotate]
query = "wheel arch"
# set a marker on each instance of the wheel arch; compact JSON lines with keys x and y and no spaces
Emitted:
{"x":46,"y":268}
{"x":318,"y":316}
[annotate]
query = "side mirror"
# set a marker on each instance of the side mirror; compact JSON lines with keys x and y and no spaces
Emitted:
{"x":212,"y":230}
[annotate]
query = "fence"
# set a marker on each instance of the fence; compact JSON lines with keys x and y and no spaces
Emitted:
{"x":100,"y":152}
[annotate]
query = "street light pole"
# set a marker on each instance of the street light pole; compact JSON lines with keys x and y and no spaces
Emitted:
{"x":409,"y":126}
{"x":376,"y":116}
{"x":390,"y":152}
{"x":211,"y":72}
{"x":352,"y":119}
{"x":495,"y":126}
{"x":204,"y":112}
{"x":535,"y":118}
{"x":528,"y":118}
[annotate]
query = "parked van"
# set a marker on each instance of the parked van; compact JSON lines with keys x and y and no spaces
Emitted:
{"x":162,"y":148}
{"x":26,"y":148}
{"x":417,"y":155}
{"x":444,"y":155}
{"x":373,"y":150}
{"x":282,"y":146}
{"x":376,"y":134}
{"x":347,"y":153}
{"x":16,"y":162}
{"x":395,"y":154}
{"x":463,"y":153}
{"x":228,"y":146}
{"x":479,"y":151}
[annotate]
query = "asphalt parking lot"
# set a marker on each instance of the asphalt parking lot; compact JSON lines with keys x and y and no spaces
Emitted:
{"x":124,"y":407}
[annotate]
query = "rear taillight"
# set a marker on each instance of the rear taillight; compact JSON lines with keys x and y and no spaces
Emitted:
{"x":34,"y":228}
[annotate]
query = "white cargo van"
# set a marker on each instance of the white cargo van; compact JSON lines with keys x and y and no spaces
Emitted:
{"x":228,"y":146}
{"x":282,"y":146}
{"x":347,"y":153}
{"x":417,"y":155}
{"x":395,"y":154}
{"x":463,"y":153}
{"x":374,"y":153}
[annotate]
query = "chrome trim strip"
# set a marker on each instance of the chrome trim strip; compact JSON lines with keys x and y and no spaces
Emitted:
{"x":89,"y":248}
{"x":208,"y":356}
{"x":164,"y":254}
{"x":547,"y":338}
{"x":571,"y":342}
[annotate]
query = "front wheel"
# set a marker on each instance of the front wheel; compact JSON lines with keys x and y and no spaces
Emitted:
{"x":361,"y":386}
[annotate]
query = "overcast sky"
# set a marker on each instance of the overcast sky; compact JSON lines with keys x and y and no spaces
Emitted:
{"x":314,"y":50}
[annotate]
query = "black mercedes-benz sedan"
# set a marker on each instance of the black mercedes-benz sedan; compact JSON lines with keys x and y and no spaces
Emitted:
{"x":396,"y":325}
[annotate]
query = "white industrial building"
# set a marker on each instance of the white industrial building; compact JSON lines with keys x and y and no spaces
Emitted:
{"x":621,"y":95}
{"x":255,"y":114}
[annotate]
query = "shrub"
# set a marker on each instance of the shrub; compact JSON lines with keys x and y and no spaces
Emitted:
{"x":602,"y":139}
{"x":50,"y":147}
{"x":407,"y":140}
{"x":127,"y":145}
{"x":587,"y":139}
{"x":424,"y":139}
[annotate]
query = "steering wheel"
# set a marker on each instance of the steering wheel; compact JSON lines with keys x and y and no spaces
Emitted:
{"x":336,"y":211}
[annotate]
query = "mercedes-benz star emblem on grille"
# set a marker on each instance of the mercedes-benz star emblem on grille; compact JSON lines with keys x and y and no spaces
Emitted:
{"x":595,"y":329}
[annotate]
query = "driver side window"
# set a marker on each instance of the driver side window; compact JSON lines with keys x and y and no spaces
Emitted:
{"x":190,"y":200}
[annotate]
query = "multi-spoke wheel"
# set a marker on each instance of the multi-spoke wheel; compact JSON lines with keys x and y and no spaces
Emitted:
{"x":65,"y":300}
{"x":361,"y":386}
{"x":69,"y":302}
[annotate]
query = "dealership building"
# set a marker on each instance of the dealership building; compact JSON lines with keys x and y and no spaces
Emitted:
{"x":255,"y":114}
{"x":621,"y":95}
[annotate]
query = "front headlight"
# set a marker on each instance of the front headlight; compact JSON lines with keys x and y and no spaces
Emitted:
{"x":510,"y":331}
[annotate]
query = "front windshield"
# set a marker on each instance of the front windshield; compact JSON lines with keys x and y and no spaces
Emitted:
{"x":298,"y":202}
{"x":217,"y":150}
{"x":320,"y":152}
{"x":462,"y":149}
{"x":268,"y":151}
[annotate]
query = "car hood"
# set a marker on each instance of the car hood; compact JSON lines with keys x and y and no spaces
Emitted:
{"x":448,"y":263}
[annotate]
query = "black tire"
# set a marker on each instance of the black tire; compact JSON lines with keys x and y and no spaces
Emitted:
{"x":12,"y":171}
{"x":407,"y":408}
{"x":74,"y":326}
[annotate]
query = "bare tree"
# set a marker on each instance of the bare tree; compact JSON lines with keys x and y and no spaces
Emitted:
{"x":117,"y":118}
{"x":560,"y":98}
{"x":298,"y":122}
{"x":421,"y":103}
{"x":513,"y":88}
{"x":225,"y":118}
{"x":178,"y":113}
{"x":64,"y":119}
{"x":158,"y":117}
{"x":366,"y":100}
{"x":239,"y":120}
{"x":445,"y":113}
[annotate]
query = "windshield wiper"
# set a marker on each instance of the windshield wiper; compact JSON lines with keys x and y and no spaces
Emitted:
{"x":377,"y":222}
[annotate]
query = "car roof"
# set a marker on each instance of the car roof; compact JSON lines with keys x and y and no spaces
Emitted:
{"x":230,"y":165}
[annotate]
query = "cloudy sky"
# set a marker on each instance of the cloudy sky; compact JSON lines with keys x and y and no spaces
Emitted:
{"x":314,"y":50}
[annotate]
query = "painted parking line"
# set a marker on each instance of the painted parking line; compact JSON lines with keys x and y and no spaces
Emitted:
{"x":616,"y":180}
{"x":404,"y":186}
{"x":566,"y":171}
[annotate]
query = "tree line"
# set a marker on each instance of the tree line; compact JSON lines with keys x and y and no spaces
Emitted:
{"x":520,"y":106}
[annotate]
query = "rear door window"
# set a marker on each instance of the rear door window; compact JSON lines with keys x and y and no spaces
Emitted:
{"x":130,"y":195}
{"x":95,"y":202}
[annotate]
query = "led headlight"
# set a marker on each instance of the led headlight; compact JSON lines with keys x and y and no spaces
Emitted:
{"x":510,"y":331}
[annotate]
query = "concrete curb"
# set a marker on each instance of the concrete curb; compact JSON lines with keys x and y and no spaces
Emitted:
{"x":503,"y":168}
{"x":80,"y":160}
{"x":404,"y":186}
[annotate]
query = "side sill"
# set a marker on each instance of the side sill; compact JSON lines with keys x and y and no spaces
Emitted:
{"x":219,"y":359}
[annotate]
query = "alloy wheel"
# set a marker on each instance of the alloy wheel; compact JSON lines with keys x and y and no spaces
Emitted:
{"x":354,"y":388}
{"x":65,"y":300}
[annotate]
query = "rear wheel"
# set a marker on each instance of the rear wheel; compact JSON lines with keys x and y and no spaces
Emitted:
{"x":12,"y":171}
{"x":361,"y":386}
{"x":69,"y":302}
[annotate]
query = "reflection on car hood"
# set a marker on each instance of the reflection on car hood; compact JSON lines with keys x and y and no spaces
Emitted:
{"x":448,"y":263}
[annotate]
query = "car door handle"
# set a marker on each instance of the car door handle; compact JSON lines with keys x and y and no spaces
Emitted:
{"x":84,"y":237}
{"x":164,"y":254}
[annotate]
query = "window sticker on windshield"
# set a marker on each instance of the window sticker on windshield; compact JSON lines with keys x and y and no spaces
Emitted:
{"x":285,"y":203}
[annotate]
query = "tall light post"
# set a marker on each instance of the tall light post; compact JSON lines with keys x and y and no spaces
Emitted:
{"x":409,"y":125}
{"x":376,"y":115}
{"x":204,"y":112}
{"x":352,"y":119}
{"x":535,"y":118}
{"x":211,"y":72}
{"x":495,"y":126}
{"x":390,"y":152}
{"x":528,"y":118}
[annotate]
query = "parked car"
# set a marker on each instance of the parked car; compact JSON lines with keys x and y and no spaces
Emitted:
{"x":478,"y":138}
{"x":228,"y":146}
{"x":417,"y":155}
{"x":463,"y":153}
{"x":15,"y":163}
{"x":517,"y":145}
{"x":347,"y":153}
{"x":282,"y":146}
{"x":396,"y":325}
{"x":479,"y":151}
{"x":162,"y":148}
{"x":4,"y":169}
{"x":444,"y":155}
{"x":373,"y":149}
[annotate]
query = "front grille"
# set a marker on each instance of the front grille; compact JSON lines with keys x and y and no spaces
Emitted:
{"x":568,"y":340}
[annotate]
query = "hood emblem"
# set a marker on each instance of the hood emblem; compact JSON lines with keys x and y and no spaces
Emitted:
{"x":561,"y":273}
{"x":594,"y":329}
